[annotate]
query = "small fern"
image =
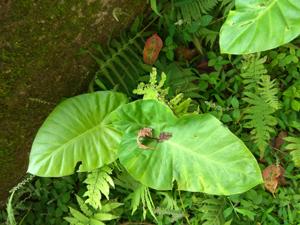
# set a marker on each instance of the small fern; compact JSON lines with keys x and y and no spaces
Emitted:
{"x":212,"y":211}
{"x":120,"y":65}
{"x":260,"y":93}
{"x":182,"y":80}
{"x":138,"y":193}
{"x":17,"y":203}
{"x":252,"y":69}
{"x":98,"y":183}
{"x":90,"y":216}
{"x":142,"y":195}
{"x":192,"y":10}
{"x":294,"y":146}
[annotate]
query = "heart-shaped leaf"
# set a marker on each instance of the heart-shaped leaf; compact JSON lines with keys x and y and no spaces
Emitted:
{"x":259,"y":25}
{"x":196,"y":151}
{"x":78,"y":130}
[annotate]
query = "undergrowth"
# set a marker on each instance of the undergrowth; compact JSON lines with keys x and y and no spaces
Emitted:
{"x":256,"y":96}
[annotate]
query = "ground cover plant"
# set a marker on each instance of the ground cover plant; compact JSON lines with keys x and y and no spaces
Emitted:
{"x":189,"y":120}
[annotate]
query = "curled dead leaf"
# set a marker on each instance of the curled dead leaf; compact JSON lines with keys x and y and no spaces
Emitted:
{"x":143,"y":133}
{"x":273,"y":177}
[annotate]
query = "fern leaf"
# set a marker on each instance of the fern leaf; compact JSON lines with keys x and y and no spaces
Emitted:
{"x":269,"y":91}
{"x":142,"y":194}
{"x":212,"y":210}
{"x":261,"y":95}
{"x":98,"y":183}
{"x":78,"y":217}
{"x":92,"y":217}
{"x":83,"y":207}
{"x":192,"y":10}
{"x":252,"y":70}
{"x":294,"y":146}
{"x":120,"y":65}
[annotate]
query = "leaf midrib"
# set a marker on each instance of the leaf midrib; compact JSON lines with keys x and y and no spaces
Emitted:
{"x":74,"y":138}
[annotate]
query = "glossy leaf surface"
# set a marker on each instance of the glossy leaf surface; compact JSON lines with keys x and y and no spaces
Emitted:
{"x":78,"y":130}
{"x":199,"y":153}
{"x":259,"y":25}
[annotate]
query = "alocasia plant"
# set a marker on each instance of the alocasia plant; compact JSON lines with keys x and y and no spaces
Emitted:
{"x":78,"y":130}
{"x":259,"y":25}
{"x":196,"y":151}
{"x":156,"y":147}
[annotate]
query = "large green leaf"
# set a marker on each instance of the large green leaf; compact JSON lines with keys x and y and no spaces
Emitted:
{"x":78,"y":130}
{"x":202,"y":155}
{"x":258,"y":25}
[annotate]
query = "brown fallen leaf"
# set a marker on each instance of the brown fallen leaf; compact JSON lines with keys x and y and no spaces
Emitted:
{"x":185,"y":53}
{"x":273,"y":177}
{"x":279,"y":139}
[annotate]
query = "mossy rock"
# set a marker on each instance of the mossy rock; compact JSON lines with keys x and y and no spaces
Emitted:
{"x":40,"y":64}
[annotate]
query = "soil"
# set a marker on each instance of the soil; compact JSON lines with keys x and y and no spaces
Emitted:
{"x":41,"y":63}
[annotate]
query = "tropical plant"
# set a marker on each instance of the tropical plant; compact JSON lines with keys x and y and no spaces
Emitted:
{"x":258,"y":25}
{"x":92,"y":134}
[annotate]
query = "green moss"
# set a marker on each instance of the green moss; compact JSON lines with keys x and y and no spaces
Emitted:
{"x":39,"y":46}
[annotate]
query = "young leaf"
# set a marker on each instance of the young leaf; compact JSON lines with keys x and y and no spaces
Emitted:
{"x":152,"y":48}
{"x":153,"y":5}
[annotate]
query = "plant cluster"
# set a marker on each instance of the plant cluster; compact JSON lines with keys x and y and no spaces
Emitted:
{"x":214,"y":139}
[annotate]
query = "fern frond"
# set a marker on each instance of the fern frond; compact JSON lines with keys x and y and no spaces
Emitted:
{"x":252,"y":70}
{"x":261,"y":95}
{"x":91,"y":217}
{"x":192,"y":10}
{"x":16,"y":203}
{"x":207,"y":35}
{"x":258,"y":117}
{"x":120,"y":65}
{"x":181,"y":80}
{"x":98,"y":183}
{"x":268,"y":91}
{"x":294,"y":146}
{"x":212,"y":210}
{"x":142,"y":195}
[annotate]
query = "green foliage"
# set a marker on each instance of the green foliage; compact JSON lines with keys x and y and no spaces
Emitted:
{"x":212,"y":211}
{"x":186,"y":151}
{"x":192,"y":10}
{"x":98,"y":181}
{"x":292,"y":96}
{"x":10,"y":204}
{"x":153,"y":90}
{"x":43,"y":200}
{"x":79,"y":131}
{"x":294,"y":145}
{"x":120,"y":65}
{"x":89,"y":216}
{"x":141,"y":194}
{"x":181,"y":80}
{"x":261,"y":95}
{"x":259,"y":25}
{"x":241,"y":91}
